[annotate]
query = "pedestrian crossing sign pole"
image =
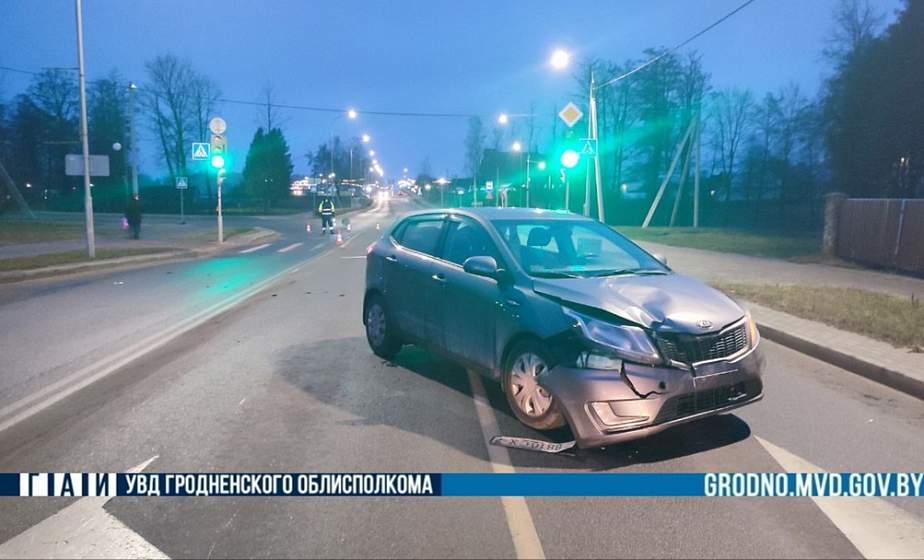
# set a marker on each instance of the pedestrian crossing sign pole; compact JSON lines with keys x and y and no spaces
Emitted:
{"x":182,"y":183}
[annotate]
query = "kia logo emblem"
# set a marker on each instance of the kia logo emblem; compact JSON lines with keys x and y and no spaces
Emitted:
{"x":704,"y":323}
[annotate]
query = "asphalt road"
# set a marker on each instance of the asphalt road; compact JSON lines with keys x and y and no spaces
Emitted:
{"x":283,"y":381}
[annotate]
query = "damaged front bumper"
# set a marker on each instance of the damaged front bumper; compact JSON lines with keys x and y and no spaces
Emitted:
{"x":607,"y":407}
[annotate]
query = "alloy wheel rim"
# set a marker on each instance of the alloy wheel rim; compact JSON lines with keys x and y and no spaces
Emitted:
{"x":531,"y":398}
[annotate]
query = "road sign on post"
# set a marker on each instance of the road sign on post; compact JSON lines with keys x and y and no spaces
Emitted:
{"x":589,"y":146}
{"x":99,"y":165}
{"x":570,"y":114}
{"x":218,"y":126}
{"x":201,"y":151}
{"x":182,"y":183}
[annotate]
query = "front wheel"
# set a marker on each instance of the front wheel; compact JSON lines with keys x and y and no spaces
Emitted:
{"x":531,"y":403}
{"x":380,"y":330}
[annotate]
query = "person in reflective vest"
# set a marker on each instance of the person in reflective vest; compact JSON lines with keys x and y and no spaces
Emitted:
{"x":327,"y":211}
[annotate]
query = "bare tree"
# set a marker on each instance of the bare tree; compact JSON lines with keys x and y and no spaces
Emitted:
{"x":205,"y":96}
{"x":474,"y":146}
{"x":54,"y":91}
{"x":855,"y":23}
{"x":729,"y":112}
{"x":792,"y":111}
{"x":171,"y":106}
{"x":269,"y":116}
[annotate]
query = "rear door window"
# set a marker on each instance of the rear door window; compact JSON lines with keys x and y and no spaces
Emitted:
{"x":466,"y":238}
{"x":421,"y":234}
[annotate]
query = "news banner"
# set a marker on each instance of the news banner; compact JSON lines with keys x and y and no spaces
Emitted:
{"x":724,"y":484}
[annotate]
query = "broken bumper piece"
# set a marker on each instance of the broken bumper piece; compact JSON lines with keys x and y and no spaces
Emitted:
{"x":606,"y":407}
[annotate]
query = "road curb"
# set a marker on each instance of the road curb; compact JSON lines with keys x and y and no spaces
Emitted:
{"x":210,"y":250}
{"x":872,"y":371}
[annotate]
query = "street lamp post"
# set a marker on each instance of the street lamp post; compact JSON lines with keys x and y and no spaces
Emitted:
{"x":442,"y":181}
{"x":84,"y":139}
{"x":133,"y":147}
{"x":350,"y":114}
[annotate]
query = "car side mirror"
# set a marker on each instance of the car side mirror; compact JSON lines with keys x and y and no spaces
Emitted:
{"x":660,"y":258}
{"x":481,"y":266}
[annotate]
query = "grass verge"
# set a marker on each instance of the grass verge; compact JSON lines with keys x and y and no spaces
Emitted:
{"x":893,"y":319}
{"x":71,"y":257}
{"x":14,"y":232}
{"x":780,"y":245}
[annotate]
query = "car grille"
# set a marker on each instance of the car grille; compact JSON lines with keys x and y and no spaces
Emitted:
{"x":692,"y":349}
{"x":706,"y":400}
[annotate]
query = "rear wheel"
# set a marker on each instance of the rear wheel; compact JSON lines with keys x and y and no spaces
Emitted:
{"x":380,"y":331}
{"x":532,"y":404}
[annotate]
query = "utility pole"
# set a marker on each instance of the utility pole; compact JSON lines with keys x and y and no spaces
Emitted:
{"x":528,"y":161}
{"x":84,"y":141}
{"x":132,"y":146}
{"x":696,"y":175}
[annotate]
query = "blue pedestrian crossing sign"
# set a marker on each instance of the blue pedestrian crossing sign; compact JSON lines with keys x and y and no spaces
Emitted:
{"x":201,"y":150}
{"x":590,"y":147}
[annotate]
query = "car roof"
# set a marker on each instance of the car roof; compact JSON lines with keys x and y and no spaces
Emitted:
{"x":492,"y":213}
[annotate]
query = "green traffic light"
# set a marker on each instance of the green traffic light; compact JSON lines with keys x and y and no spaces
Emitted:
{"x":570,"y":158}
{"x":218,"y":162}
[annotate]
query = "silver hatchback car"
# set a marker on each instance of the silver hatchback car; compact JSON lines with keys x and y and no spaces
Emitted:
{"x":580,"y":325}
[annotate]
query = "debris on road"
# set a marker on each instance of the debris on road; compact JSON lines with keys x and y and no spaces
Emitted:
{"x":531,"y":444}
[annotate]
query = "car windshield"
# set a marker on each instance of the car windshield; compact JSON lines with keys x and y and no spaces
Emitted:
{"x":574,"y":249}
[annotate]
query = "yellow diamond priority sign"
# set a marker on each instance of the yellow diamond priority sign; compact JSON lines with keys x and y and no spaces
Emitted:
{"x":570,"y":114}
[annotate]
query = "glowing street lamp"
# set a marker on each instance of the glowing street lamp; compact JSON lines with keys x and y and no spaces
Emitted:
{"x":503,"y":118}
{"x":352,"y":114}
{"x":541,"y":166}
{"x":517,"y":147}
{"x":569,"y":158}
{"x":366,"y":138}
{"x":560,"y":59}
{"x":371,"y":153}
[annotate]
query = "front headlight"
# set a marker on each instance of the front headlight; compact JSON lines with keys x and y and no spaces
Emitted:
{"x":753,"y":334}
{"x":628,"y":342}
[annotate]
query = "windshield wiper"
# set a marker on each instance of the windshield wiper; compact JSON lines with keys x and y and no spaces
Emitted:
{"x":625,"y":271}
{"x":553,"y":274}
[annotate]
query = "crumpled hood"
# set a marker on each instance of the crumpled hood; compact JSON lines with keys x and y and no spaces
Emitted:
{"x":671,"y":302}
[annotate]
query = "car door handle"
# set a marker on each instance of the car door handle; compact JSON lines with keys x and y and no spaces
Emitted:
{"x":391,"y":258}
{"x":513,"y":303}
{"x":439,"y":278}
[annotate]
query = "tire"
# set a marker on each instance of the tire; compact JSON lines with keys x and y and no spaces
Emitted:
{"x":536,"y":408}
{"x":380,"y":330}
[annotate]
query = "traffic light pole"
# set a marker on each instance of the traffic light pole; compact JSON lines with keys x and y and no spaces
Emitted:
{"x":221,"y":230}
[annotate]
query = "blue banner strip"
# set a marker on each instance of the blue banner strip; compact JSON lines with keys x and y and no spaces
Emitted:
{"x":9,"y":484}
{"x":574,"y":484}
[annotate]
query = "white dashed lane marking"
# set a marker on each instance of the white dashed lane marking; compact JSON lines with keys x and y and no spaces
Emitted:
{"x":289,"y":248}
{"x":257,"y":248}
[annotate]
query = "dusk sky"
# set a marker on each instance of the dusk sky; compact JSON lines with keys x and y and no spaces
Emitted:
{"x":423,"y":56}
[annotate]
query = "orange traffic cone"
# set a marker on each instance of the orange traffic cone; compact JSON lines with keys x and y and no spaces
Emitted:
{"x":339,"y":238}
{"x":349,"y":227}
{"x":308,"y":228}
{"x":377,"y":227}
